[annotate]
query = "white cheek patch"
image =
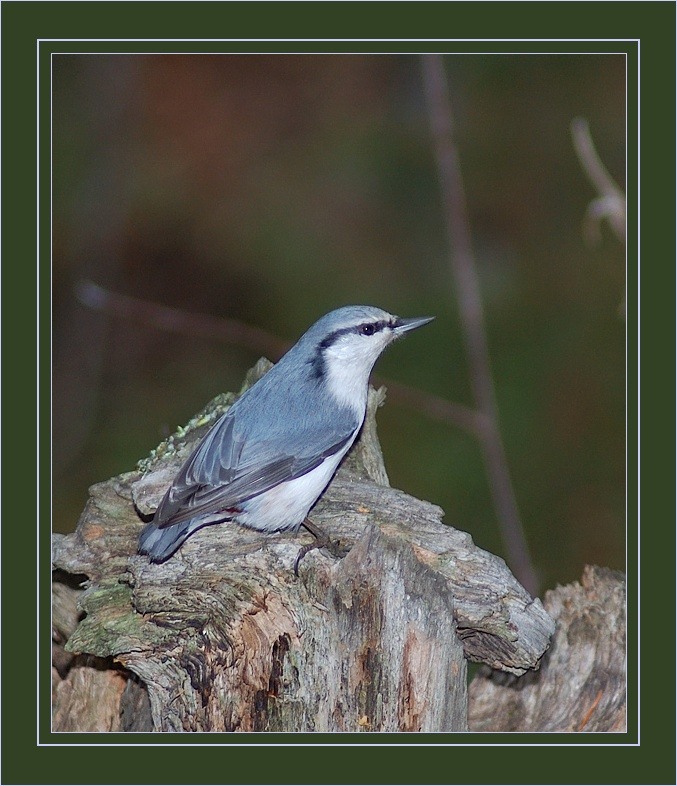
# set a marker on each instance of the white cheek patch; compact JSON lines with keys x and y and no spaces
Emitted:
{"x":347,"y":365}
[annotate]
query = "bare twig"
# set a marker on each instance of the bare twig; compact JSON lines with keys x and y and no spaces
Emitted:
{"x":176,"y":320}
{"x":610,"y":203}
{"x":234,"y":331}
{"x":472,"y":319}
{"x":435,"y":407}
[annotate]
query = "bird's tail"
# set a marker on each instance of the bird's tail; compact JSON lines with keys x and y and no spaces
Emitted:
{"x":159,"y":544}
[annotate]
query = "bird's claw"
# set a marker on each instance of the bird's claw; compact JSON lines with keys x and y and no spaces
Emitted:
{"x":322,"y":541}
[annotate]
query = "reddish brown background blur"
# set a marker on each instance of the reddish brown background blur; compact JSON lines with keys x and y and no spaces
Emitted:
{"x":273,"y":188}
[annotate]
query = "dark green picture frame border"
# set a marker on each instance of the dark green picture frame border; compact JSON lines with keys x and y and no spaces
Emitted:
{"x":30,"y":31}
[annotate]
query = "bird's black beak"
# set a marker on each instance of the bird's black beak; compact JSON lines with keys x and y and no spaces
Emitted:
{"x":402,"y":326}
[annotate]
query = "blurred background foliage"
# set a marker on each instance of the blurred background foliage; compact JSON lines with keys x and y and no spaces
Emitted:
{"x":273,"y":188}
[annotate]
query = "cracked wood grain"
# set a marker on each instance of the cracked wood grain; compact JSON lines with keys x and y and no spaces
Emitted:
{"x":224,"y":637}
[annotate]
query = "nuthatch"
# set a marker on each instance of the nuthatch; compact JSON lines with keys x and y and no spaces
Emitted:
{"x":268,"y":459}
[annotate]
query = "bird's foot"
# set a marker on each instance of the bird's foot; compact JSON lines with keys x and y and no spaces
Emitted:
{"x":322,"y":541}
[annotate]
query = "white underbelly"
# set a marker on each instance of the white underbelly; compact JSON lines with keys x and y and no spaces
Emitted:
{"x":285,"y":506}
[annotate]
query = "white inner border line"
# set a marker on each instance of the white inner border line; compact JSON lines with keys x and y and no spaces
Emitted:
{"x":40,"y":41}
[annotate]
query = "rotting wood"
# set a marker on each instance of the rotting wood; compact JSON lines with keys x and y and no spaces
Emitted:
{"x":581,"y":685}
{"x":224,"y":637}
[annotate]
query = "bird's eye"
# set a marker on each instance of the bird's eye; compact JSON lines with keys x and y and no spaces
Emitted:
{"x":368,"y":329}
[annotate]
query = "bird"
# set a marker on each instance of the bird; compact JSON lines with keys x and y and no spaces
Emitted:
{"x":269,"y":458}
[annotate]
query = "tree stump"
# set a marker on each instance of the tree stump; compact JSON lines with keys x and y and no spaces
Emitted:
{"x":581,"y":685}
{"x":224,"y":637}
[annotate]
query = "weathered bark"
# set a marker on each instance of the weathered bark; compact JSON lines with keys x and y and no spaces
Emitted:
{"x":89,"y":693}
{"x":581,"y":685}
{"x":223,"y":636}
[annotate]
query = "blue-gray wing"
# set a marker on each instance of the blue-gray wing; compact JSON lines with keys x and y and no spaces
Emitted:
{"x":227,"y":469}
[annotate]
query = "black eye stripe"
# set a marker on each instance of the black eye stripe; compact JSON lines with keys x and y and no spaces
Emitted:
{"x":366,"y":329}
{"x":369,"y":328}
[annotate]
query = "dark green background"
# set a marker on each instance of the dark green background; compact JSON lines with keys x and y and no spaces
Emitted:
{"x":390,"y":233}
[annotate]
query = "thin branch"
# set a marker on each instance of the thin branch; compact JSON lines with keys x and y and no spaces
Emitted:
{"x":175,"y":320}
{"x":234,"y":331}
{"x":435,"y":407}
{"x":610,"y":203}
{"x":472,"y":318}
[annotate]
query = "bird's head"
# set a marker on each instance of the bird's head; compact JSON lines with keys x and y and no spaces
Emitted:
{"x":343,"y":346}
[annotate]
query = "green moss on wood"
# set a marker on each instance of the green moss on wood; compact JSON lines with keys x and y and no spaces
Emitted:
{"x":111,"y":626}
